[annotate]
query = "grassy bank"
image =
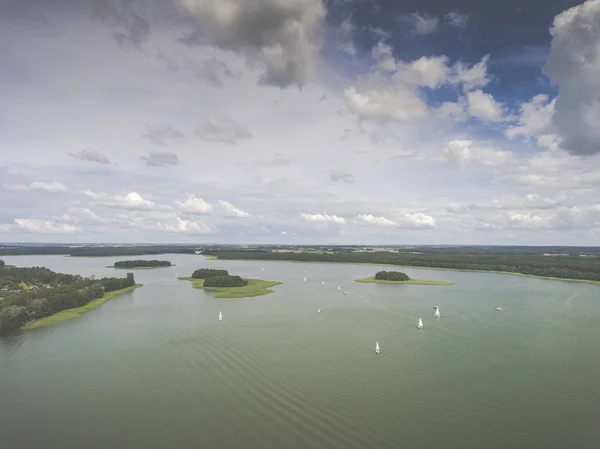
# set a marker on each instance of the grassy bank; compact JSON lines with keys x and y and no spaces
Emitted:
{"x":372,"y":280}
{"x":68,"y":314}
{"x":255,"y":287}
{"x":584,"y":281}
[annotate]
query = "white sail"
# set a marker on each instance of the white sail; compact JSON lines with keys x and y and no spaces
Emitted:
{"x":262,"y":269}
{"x":420,"y":325}
{"x":319,"y":311}
{"x":322,"y":283}
{"x":437,"y":312}
{"x":377,"y":347}
{"x":220,"y":316}
{"x":339,"y":287}
{"x":304,"y":278}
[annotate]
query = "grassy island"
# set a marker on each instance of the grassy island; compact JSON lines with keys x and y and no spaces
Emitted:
{"x":32,"y":297}
{"x":397,"y":277}
{"x":141,"y":264}
{"x":69,"y":314}
{"x":229,"y":286}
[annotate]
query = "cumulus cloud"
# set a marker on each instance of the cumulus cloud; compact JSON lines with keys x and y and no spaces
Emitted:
{"x":177,"y":224}
{"x":51,"y":187}
{"x":229,"y":210}
{"x":223,"y":130}
{"x":574,"y":66}
{"x":323,"y":218}
{"x":90,"y":155}
{"x":457,"y":19}
{"x":341,"y":176}
{"x":369,"y":219}
{"x":44,"y":226}
{"x":131,"y":201}
{"x":415,"y":220}
{"x":161,"y":159}
{"x":461,"y":152}
{"x":194,"y":205}
{"x":421,"y":23}
{"x":484,"y":107}
{"x":163,"y":135}
{"x":281,"y":36}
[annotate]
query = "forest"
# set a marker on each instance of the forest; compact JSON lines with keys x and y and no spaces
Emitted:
{"x":225,"y":281}
{"x":2,"y":263}
{"x":95,"y":251}
{"x":142,"y":263}
{"x":555,"y":265}
{"x":205,"y":273}
{"x":36,"y":292}
{"x":391,"y":276}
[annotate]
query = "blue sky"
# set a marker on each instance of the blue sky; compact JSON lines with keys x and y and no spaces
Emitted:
{"x":300,"y":121}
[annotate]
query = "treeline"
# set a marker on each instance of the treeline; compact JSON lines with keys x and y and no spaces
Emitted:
{"x":141,"y":263}
{"x":225,"y":281}
{"x":2,"y":263}
{"x":54,"y":292}
{"x":96,"y":251}
{"x":561,"y":267}
{"x":391,"y":276}
{"x":218,"y":278}
{"x":205,"y":273}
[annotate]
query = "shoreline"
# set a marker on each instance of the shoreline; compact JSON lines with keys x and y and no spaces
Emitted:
{"x":255,"y":287}
{"x":584,"y":281}
{"x":372,"y":280}
{"x":69,"y":314}
{"x":136,"y":268}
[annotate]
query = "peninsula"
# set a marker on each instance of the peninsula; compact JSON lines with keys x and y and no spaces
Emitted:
{"x":397,"y":277}
{"x":141,"y":264}
{"x":229,"y":286}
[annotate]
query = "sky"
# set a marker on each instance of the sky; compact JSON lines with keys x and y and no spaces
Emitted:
{"x":300,"y":121}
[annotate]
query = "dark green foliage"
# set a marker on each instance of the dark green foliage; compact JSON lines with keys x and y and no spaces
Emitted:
{"x":142,"y":263}
{"x":205,"y":273}
{"x":225,"y":281}
{"x":96,"y":251}
{"x":54,"y":292}
{"x":391,"y":276}
{"x":524,"y":260}
{"x":2,"y":263}
{"x":12,"y":318}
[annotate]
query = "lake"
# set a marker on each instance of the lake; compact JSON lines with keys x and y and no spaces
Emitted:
{"x":154,"y":368}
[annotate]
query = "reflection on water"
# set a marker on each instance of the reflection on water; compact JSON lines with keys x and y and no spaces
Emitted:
{"x":155,"y":368}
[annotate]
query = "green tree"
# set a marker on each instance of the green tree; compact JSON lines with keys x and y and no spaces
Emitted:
{"x":2,"y":263}
{"x":12,"y":318}
{"x":225,"y":281}
{"x":205,"y":273}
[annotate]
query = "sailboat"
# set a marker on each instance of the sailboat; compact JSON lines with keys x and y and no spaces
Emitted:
{"x":262,"y":269}
{"x":437,"y":312}
{"x":377,"y":347}
{"x":319,"y":311}
{"x":220,"y":316}
{"x":304,"y":278}
{"x":323,"y":283}
{"x":339,"y":287}
{"x":420,"y":324}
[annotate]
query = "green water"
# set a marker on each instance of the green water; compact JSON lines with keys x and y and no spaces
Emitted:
{"x":155,"y":368}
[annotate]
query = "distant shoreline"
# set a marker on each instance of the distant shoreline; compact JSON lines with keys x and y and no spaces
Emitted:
{"x":372,"y":280}
{"x":69,"y":314}
{"x":255,"y":287}
{"x":137,"y":268}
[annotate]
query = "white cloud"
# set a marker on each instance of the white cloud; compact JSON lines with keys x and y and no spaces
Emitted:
{"x":177,"y":224}
{"x":574,"y":66}
{"x":52,"y":187}
{"x":90,"y":155}
{"x":457,"y":19}
{"x":223,"y":130}
{"x":461,"y":152}
{"x":535,"y":121}
{"x":163,"y":135}
{"x":194,"y":205}
{"x":415,"y":220}
{"x":484,"y":107}
{"x":323,"y":218}
{"x":424,"y":24}
{"x":131,"y":201}
{"x":229,"y":210}
{"x":341,"y":176}
{"x":44,"y":226}
{"x":369,"y":219}
{"x":5,"y":227}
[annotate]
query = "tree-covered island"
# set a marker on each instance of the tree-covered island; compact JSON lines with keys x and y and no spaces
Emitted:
{"x":397,"y":277}
{"x":32,"y":297}
{"x":229,"y":286}
{"x":141,"y":264}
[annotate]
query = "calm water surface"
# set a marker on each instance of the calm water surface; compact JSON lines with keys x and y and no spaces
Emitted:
{"x":155,"y":369}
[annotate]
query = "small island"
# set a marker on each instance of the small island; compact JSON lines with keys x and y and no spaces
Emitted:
{"x":229,"y":286}
{"x":33,"y":297}
{"x":141,"y":264}
{"x":397,"y":277}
